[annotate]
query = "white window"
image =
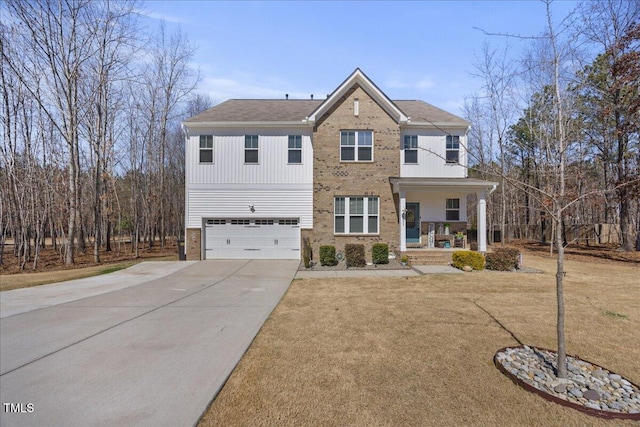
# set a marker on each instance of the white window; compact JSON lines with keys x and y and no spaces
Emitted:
{"x":206,"y":148}
{"x":295,"y":149}
{"x":410,"y":147}
{"x":356,"y":215}
{"x":453,"y":210}
{"x":251,"y":148}
{"x":453,"y":148}
{"x":356,"y":146}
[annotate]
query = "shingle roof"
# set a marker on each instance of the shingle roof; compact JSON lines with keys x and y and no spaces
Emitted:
{"x":292,"y":110}
{"x":420,"y":111}
{"x":258,"y":110}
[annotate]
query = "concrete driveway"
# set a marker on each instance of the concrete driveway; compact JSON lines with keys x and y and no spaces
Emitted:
{"x":153,"y":353}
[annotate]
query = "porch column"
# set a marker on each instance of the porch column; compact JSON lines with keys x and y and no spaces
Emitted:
{"x":482,"y":222}
{"x":403,"y":220}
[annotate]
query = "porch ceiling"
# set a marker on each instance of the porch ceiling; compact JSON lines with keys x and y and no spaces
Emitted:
{"x":470,"y":185}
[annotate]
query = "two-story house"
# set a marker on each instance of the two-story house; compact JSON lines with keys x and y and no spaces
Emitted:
{"x":356,"y":167}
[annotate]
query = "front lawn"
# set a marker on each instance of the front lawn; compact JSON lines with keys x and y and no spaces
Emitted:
{"x":418,"y":351}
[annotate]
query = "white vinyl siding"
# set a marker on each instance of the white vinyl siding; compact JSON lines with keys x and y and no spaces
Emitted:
{"x":235,"y":201}
{"x":229,"y":167}
{"x":356,"y":215}
{"x":432,"y":155}
{"x":433,"y":205}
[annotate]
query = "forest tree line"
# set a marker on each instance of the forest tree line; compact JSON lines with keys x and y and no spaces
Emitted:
{"x":559,"y":127}
{"x":91,"y":140}
{"x":92,"y":149}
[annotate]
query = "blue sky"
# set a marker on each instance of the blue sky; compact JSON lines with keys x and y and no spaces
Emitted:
{"x":411,"y":50}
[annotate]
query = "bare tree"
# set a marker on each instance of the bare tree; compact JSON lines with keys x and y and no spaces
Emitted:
{"x":610,"y":90}
{"x":499,"y":77}
{"x":57,"y":47}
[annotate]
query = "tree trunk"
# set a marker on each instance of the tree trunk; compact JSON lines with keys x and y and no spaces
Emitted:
{"x":562,"y":352}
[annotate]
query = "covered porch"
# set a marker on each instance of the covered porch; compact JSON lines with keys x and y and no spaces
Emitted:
{"x":432,"y":210}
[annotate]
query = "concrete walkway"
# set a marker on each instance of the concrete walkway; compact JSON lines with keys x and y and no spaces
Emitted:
{"x":149,"y":354}
{"x":416,"y":270}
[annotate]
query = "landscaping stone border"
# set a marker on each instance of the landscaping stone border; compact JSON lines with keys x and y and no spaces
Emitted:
{"x":518,"y":371}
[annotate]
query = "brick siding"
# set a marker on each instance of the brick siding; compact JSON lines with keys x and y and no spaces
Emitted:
{"x":193,"y":244}
{"x":333,"y":178}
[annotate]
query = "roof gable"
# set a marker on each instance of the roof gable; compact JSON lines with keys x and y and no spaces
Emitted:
{"x":359,"y":78}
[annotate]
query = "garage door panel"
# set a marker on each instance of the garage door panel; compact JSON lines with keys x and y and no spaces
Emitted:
{"x":252,"y":239}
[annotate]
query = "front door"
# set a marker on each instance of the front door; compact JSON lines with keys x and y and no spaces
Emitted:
{"x":413,"y":222}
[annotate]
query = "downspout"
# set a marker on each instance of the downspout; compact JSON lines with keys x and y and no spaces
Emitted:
{"x":493,"y":188}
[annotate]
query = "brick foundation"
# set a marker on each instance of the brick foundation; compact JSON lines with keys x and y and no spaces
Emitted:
{"x":193,"y":243}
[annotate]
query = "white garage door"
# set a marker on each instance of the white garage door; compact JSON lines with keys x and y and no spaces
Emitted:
{"x":252,"y":238}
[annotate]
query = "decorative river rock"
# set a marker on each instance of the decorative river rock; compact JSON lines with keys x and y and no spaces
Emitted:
{"x":588,"y":387}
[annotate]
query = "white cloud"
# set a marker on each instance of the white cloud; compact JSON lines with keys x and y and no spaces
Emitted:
{"x":161,"y":17}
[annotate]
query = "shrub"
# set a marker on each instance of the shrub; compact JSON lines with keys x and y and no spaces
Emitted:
{"x":503,"y":259}
{"x":328,"y":255}
{"x":380,"y":253}
{"x":473,"y":259}
{"x":355,"y":255}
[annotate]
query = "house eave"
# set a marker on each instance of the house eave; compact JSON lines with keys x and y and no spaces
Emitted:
{"x":438,"y":125}
{"x":441,"y":184}
{"x":252,"y":124}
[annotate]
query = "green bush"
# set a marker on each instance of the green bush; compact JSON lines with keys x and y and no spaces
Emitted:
{"x":328,"y":255}
{"x":503,"y":259}
{"x":473,"y":259}
{"x":355,"y":255}
{"x":380,"y":253}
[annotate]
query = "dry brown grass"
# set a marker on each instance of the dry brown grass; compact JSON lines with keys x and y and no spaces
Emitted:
{"x":418,"y":351}
{"x":28,"y":279}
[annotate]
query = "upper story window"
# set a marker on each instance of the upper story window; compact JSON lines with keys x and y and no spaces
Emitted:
{"x":356,"y":215}
{"x":453,"y":210}
{"x":410,"y":147}
{"x":356,"y":146}
{"x":453,"y":148}
{"x":295,"y":149}
{"x":206,"y":149}
{"x":251,"y":148}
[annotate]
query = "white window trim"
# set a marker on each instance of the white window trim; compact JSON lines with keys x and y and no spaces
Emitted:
{"x":457,"y":150}
{"x":411,"y":148}
{"x":365,"y":216}
{"x":244,"y":153}
{"x":200,"y":148}
{"x":289,"y":149}
{"x":357,"y":132}
{"x":447,"y":209}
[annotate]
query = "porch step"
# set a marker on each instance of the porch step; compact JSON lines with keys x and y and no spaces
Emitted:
{"x":428,"y":257}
